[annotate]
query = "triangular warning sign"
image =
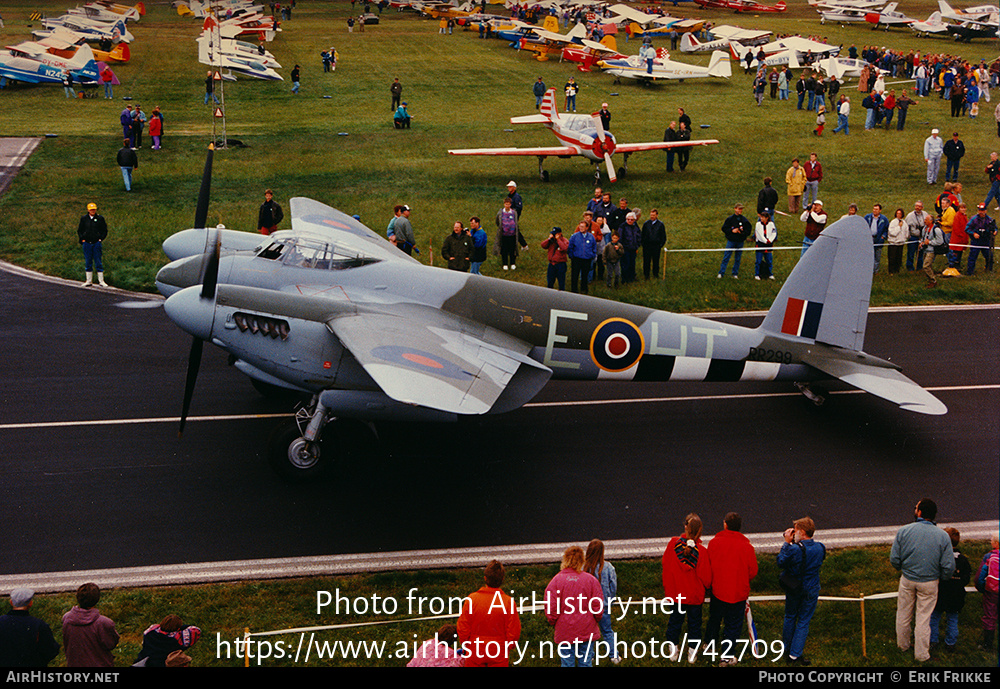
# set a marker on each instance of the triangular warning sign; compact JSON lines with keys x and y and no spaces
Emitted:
{"x":218,"y":112}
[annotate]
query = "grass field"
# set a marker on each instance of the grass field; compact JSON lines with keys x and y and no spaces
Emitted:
{"x":334,"y":142}
{"x":838,"y":637}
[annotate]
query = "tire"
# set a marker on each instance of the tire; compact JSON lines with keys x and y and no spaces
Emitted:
{"x":295,"y":460}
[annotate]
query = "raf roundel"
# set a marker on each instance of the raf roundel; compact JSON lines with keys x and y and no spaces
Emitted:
{"x":616,"y":345}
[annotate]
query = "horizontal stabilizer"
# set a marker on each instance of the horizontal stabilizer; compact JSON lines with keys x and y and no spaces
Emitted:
{"x":887,"y":383}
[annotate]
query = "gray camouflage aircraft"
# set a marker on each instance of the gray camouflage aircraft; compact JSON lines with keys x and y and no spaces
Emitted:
{"x":332,"y":309}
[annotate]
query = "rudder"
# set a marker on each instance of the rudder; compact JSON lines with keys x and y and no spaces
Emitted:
{"x":825,"y":299}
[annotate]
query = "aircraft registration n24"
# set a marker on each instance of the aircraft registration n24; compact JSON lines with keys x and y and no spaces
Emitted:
{"x":332,"y":309}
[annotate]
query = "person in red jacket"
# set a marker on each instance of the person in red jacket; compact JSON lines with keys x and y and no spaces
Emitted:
{"x":687,"y":572}
{"x":734,"y":565}
{"x":489,"y":623}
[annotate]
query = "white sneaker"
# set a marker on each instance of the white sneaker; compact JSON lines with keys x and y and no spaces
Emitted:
{"x":736,"y":277}
{"x":513,"y":267}
{"x":692,"y":654}
{"x":756,"y":277}
{"x":506,"y":268}
{"x":719,"y":276}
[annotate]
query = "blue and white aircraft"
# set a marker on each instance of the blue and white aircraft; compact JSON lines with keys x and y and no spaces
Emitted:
{"x":31,"y":63}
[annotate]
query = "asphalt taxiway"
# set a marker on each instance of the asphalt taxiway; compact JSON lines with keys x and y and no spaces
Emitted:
{"x":93,"y":473}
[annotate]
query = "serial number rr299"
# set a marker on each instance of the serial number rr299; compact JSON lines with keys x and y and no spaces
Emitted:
{"x":777,"y":355}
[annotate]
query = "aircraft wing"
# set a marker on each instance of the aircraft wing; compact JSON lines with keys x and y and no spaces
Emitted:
{"x":540,"y":151}
{"x":887,"y":383}
{"x":657,"y":145}
{"x":313,"y":217}
{"x":427,"y":357}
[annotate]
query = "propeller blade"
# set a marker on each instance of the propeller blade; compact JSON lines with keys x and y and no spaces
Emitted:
{"x":211,"y":276}
{"x":194,"y":363}
{"x":201,"y":214}
{"x":599,"y":126}
{"x":611,"y":167}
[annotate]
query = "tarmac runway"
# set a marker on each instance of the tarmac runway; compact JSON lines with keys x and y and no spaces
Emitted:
{"x":94,"y":476}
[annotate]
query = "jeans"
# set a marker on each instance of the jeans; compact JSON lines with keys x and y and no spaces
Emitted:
{"x":870,"y":118}
{"x":676,"y":623}
{"x":211,"y":94}
{"x":476,"y":265}
{"x":912,"y":251}
{"x":951,"y":170}
{"x":295,"y":87}
{"x":799,"y":610}
{"x":802,"y":95}
{"x":993,"y":195}
{"x":127,"y":176}
{"x":842,"y":125}
{"x":806,"y":243}
{"x":974,"y":254}
{"x":933,"y":168}
{"x":901,"y":120}
{"x":570,"y":103}
{"x":766,"y":257}
{"x":109,"y":90}
{"x":951,"y":627}
{"x":92,"y":253}
{"x":576,"y":654}
{"x":811,"y":192}
{"x":557,"y":273}
{"x":730,"y":247}
{"x":732,"y":614}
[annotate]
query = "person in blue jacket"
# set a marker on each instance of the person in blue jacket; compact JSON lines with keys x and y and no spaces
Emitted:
{"x":801,"y":557}
{"x":582,"y":251}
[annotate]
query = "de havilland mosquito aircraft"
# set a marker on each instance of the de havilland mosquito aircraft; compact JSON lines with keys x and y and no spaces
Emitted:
{"x":331,"y":309}
{"x":581,"y":135}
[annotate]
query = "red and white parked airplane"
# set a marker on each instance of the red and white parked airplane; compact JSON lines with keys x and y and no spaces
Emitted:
{"x":581,"y":135}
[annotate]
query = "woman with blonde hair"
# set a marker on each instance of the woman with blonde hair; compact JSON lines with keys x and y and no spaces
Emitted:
{"x":574,"y":604}
{"x":686,"y":575}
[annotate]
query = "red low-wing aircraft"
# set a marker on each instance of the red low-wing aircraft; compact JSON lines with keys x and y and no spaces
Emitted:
{"x":581,"y":135}
{"x":742,"y":5}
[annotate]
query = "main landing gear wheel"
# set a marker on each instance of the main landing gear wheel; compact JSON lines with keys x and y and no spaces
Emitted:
{"x":296,"y":459}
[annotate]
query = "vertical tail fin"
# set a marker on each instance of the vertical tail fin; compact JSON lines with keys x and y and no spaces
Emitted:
{"x":548,"y":107}
{"x":720,"y":65}
{"x":689,"y":43}
{"x":825,"y":299}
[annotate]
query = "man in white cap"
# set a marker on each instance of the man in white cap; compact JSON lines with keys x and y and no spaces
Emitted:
{"x":605,"y":117}
{"x":515,"y":199}
{"x":25,"y":641}
{"x":815,"y":220}
{"x":933,"y":150}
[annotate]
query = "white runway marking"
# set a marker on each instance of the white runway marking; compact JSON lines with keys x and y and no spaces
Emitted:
{"x":576,"y":403}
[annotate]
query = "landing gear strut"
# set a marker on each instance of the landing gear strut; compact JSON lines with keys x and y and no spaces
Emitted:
{"x":542,"y":174}
{"x":303,"y":449}
{"x":815,"y":394}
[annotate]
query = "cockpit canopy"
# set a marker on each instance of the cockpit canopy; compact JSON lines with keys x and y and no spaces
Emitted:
{"x":309,"y":252}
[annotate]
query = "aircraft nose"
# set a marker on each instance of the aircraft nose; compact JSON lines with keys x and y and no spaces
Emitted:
{"x":186,"y":243}
{"x":179,"y":274}
{"x":190,"y":312}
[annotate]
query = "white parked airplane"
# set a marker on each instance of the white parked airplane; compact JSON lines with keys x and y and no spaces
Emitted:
{"x":581,"y":135}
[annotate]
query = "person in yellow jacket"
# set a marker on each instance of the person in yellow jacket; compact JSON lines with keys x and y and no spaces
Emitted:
{"x":795,"y":178}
